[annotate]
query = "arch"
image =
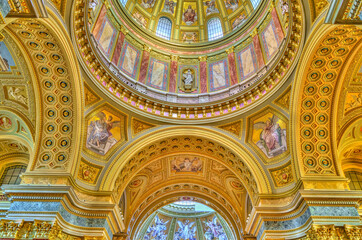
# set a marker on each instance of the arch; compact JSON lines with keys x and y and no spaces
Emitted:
{"x":164,"y":28}
{"x":214,"y":29}
{"x":244,"y":163}
{"x":47,"y":39}
{"x":328,"y":57}
{"x":172,"y":193}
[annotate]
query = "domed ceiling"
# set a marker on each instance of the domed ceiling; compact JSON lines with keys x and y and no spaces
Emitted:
{"x":157,"y":56}
{"x":185,"y":220}
{"x":189,"y":21}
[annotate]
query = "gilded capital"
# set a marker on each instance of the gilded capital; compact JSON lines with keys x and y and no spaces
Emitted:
{"x":174,"y":58}
{"x":230,"y":50}
{"x":202,"y":58}
{"x":146,"y":48}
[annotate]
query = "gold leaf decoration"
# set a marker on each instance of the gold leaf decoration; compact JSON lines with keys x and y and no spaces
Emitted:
{"x":90,"y":96}
{"x":89,"y":172}
{"x":234,"y":128}
{"x":284,"y":99}
{"x":140,"y":126}
{"x":282,"y":176}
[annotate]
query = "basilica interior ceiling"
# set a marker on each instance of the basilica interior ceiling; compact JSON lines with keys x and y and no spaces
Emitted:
{"x":180,"y":119}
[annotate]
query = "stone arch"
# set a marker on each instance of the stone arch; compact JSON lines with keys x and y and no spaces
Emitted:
{"x":327,"y":56}
{"x":238,"y":159}
{"x":58,"y":89}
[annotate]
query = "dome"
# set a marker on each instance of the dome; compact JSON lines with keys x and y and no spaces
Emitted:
{"x":189,"y":21}
{"x":189,"y":59}
{"x":185,"y":220}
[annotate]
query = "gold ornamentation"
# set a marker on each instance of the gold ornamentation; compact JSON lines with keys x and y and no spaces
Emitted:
{"x":234,"y":128}
{"x":202,"y":58}
{"x":140,"y":126}
{"x":317,"y":7}
{"x":90,"y":96}
{"x":89,"y":172}
{"x":353,"y":100}
{"x":283,"y":175}
{"x":284,"y":100}
{"x":230,"y":50}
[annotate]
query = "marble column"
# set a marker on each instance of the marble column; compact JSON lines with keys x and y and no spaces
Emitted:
{"x":144,"y":64}
{"x":258,"y":50}
{"x":173,"y":74}
{"x":203,"y":74}
{"x":119,"y":45}
{"x":232,"y":66}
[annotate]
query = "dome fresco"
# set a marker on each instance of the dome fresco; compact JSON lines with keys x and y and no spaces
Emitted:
{"x":161,"y":51}
{"x":181,"y":221}
{"x":189,"y":21}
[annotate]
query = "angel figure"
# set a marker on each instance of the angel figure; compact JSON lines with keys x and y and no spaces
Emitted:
{"x":15,"y":93}
{"x":185,"y":231}
{"x":157,"y":230}
{"x":211,"y":7}
{"x":232,"y":4}
{"x":148,"y":3}
{"x":100,"y":138}
{"x":169,"y":6}
{"x":272,"y":138}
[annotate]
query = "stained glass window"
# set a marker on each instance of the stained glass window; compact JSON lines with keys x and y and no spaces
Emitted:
{"x":356,"y":180}
{"x":255,"y":3}
{"x":11,"y":174}
{"x":214,"y":29}
{"x":164,"y":27}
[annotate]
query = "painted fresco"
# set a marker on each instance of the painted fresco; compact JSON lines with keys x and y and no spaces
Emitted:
{"x":219,"y":75}
{"x":104,"y":131}
{"x":270,"y":40}
{"x":213,"y":228}
{"x":186,"y":230}
{"x":210,"y":7}
{"x":270,"y":135}
{"x":238,"y":21}
{"x":157,"y":74}
{"x":246,"y":61}
{"x":6,"y":60}
{"x":5,"y":123}
{"x":140,"y":19}
{"x":169,"y":7}
{"x":189,"y":36}
{"x":157,"y":229}
{"x":129,"y":60}
{"x":106,"y":36}
{"x":231,"y":5}
{"x":186,"y":164}
{"x":147,"y":4}
{"x":189,"y":15}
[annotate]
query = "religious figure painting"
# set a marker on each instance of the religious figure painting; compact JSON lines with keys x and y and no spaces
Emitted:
{"x":148,"y":3}
{"x":189,"y":37}
{"x":17,"y":94}
{"x":186,"y":230}
{"x":6,"y":60}
{"x":186,"y":164}
{"x":156,"y":231}
{"x":129,"y":60}
{"x":189,"y":15}
{"x":231,"y":5}
{"x":140,"y":19}
{"x":106,"y":36}
{"x":210,"y":7}
{"x":219,"y":75}
{"x":5,"y":123}
{"x":157,"y":74}
{"x":238,"y":21}
{"x":214,"y":230}
{"x":246,"y":61}
{"x":169,"y":6}
{"x":104,"y":131}
{"x":270,"y":40}
{"x":188,"y":78}
{"x":270,"y":135}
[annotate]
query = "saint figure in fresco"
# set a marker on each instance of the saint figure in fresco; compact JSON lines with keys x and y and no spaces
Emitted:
{"x":157,"y":230}
{"x":232,"y":4}
{"x":272,"y":138}
{"x":214,"y":230}
{"x":238,"y":21}
{"x":211,"y":7}
{"x":148,"y":3}
{"x":189,"y":16}
{"x":169,"y":6}
{"x":100,"y":138}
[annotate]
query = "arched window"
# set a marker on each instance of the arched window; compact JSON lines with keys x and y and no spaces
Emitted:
{"x":11,"y":174}
{"x":164,"y":27}
{"x":356,"y":180}
{"x":214,"y":29}
{"x":124,"y":2}
{"x":255,"y":3}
